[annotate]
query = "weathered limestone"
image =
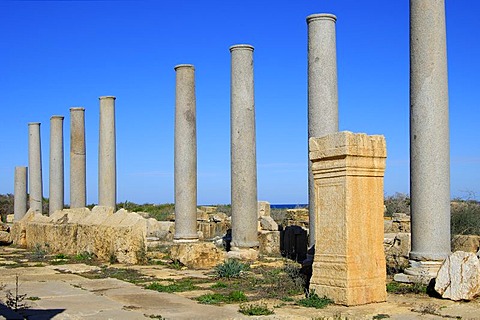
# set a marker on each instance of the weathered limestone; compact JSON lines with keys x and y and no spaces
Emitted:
{"x":185,"y":155}
{"x":20,"y":193}
{"x":243,"y":149}
{"x":263,"y":209}
{"x":200,"y":255}
{"x":459,"y":277}
{"x":56,"y":181}
{"x":78,"y":180}
{"x":35,"y":167}
{"x":322,"y":90}
{"x":429,"y":136}
{"x":109,"y":235}
{"x":349,"y":264}
{"x":107,"y":161}
{"x":467,"y":243}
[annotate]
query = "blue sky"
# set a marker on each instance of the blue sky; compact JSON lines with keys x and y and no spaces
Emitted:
{"x":58,"y":54}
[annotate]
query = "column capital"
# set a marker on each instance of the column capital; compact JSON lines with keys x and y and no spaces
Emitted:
{"x":57,"y":117}
{"x":241,"y":47}
{"x":321,"y":16}
{"x":77,"y":109}
{"x":184,"y":65}
{"x":107,"y":97}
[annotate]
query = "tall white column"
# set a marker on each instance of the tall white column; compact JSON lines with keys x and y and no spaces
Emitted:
{"x":243,"y":149}
{"x":429,"y":133}
{"x":20,"y":193}
{"x":35,"y":167}
{"x":185,"y":155}
{"x":322,"y":91}
{"x":56,"y":178}
{"x":78,"y":180}
{"x":107,"y":167}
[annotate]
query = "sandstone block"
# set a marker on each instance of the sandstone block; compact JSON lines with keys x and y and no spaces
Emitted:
{"x":467,"y":243}
{"x":202,"y":215}
{"x":267,"y":223}
{"x":218,"y":217}
{"x":349,"y":263}
{"x":108,"y":235}
{"x":208,"y":209}
{"x":396,"y":247}
{"x":263,"y":208}
{"x":197,"y":255}
{"x":459,"y":277}
{"x":269,"y":242}
{"x":5,"y":238}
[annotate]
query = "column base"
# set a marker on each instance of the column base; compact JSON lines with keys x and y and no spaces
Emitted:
{"x":248,"y":254}
{"x":419,"y":272}
{"x":185,"y":240}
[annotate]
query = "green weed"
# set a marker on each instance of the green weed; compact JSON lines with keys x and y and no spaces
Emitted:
{"x":314,"y":301}
{"x":257,"y":309}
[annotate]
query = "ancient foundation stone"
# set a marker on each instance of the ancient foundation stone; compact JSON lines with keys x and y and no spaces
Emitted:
{"x":269,"y":242}
{"x":119,"y":236}
{"x":197,"y":255}
{"x":349,"y":264}
{"x":459,"y":277}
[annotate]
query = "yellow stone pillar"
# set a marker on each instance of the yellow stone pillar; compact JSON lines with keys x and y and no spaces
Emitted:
{"x":349,"y":265}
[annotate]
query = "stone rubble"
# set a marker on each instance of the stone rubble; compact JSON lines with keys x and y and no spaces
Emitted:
{"x":459,"y":277}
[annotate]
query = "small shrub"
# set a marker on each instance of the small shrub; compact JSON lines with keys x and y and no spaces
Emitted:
{"x":219,"y":285}
{"x":217,"y":298}
{"x":176,"y":286}
{"x":15,"y":300}
{"x":465,"y":217}
{"x":61,"y":256}
{"x":403,"y":288}
{"x":84,"y":256}
{"x":39,"y":251}
{"x":211,"y":298}
{"x":398,"y":203}
{"x":236,"y":296}
{"x":231,"y":268}
{"x":314,"y":301}
{"x":257,"y":309}
{"x":33,"y":298}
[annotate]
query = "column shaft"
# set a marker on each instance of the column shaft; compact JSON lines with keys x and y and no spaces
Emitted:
{"x":429,"y":132}
{"x":35,"y":167}
{"x":20,"y":193}
{"x":243,"y":149}
{"x":185,"y":155}
{"x":322,"y":91}
{"x":56,"y":179}
{"x":78,"y":181}
{"x":107,"y":172}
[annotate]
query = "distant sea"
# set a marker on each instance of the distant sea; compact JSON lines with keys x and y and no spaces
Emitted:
{"x":289,"y":206}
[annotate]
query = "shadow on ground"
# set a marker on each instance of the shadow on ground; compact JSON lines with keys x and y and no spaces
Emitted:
{"x":31,"y":314}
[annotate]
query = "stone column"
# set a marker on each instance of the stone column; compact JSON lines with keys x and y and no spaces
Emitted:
{"x":20,"y":194}
{"x":243,"y":149}
{"x":107,"y":172}
{"x":35,"y":167}
{"x":56,"y":190}
{"x":185,"y":155}
{"x":429,"y":136}
{"x":349,"y":265}
{"x":322,"y":90}
{"x":78,"y":180}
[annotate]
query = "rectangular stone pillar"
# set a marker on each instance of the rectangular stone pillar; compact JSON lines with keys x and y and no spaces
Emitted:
{"x":349,"y":264}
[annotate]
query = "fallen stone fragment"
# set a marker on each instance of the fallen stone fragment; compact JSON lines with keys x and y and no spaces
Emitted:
{"x":459,"y":277}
